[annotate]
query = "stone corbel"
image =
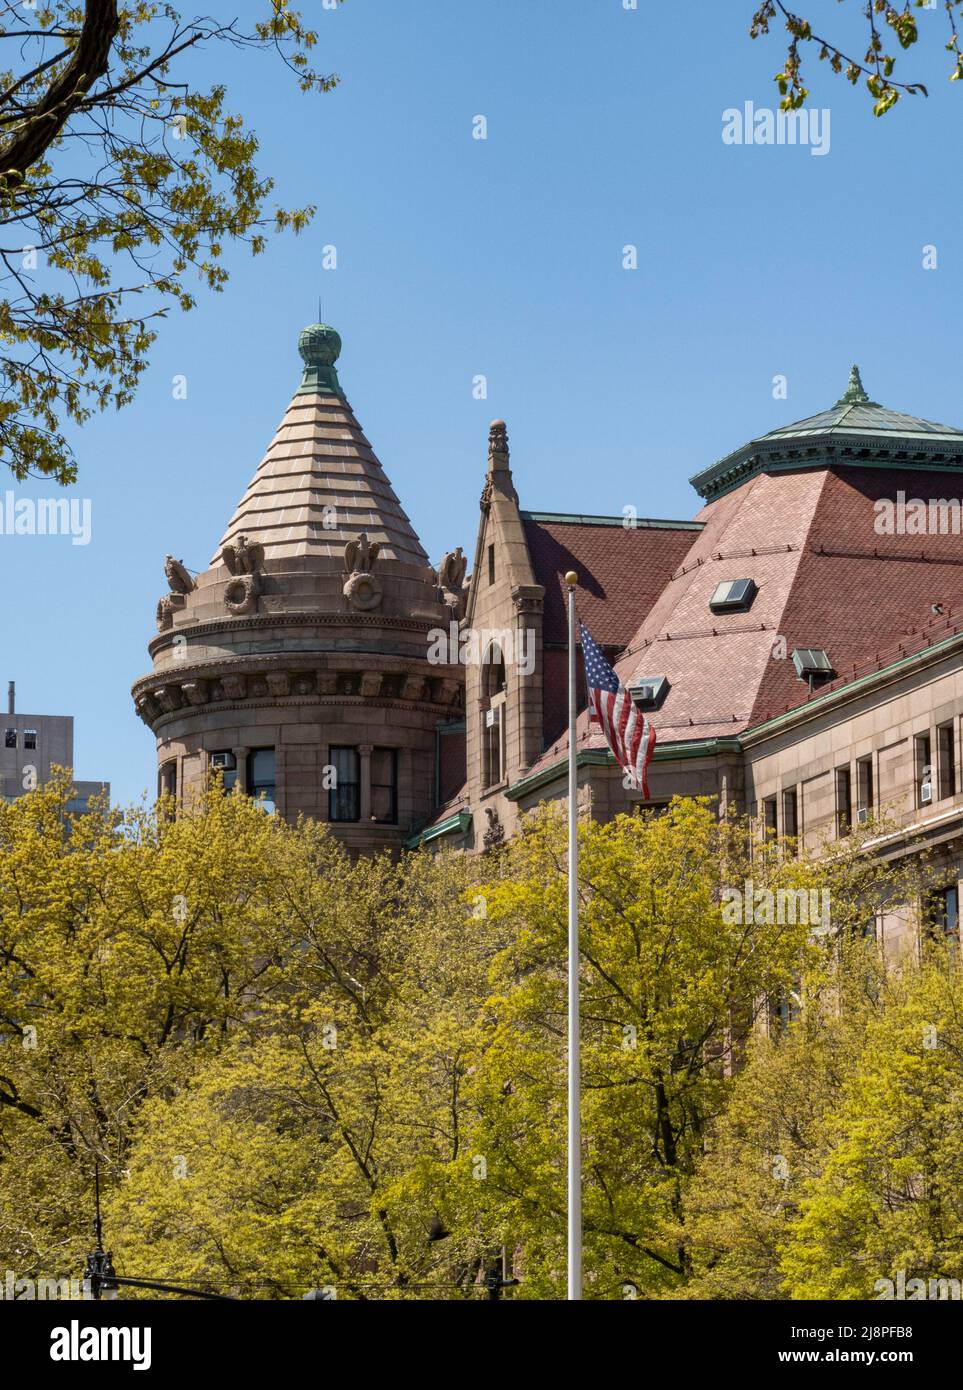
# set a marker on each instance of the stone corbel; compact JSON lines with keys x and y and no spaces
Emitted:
{"x":169,"y":698}
{"x":197,"y":692}
{"x":413,"y":688}
{"x":447,"y":692}
{"x":235,"y":687}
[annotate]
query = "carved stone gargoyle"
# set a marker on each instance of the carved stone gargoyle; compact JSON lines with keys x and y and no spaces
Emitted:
{"x":361,"y":589}
{"x":244,"y":560}
{"x":181,"y":584}
{"x":451,"y":581}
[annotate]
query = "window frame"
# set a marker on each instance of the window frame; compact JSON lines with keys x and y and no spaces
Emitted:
{"x":337,"y":791}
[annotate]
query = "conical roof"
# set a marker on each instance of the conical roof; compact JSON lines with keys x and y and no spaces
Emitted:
{"x":320,"y":483}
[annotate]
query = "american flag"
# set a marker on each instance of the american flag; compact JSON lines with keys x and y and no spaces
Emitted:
{"x":628,"y":733}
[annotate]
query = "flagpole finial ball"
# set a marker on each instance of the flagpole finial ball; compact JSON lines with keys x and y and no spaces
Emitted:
{"x":571,"y":579}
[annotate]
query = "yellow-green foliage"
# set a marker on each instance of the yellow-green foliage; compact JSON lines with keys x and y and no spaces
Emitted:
{"x":293,"y":1069}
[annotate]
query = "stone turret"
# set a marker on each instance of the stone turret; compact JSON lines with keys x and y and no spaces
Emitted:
{"x":297,"y":663}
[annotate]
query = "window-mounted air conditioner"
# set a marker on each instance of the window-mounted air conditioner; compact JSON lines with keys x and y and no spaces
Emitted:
{"x":226,"y":761}
{"x":862,"y":815}
{"x":926,"y":793}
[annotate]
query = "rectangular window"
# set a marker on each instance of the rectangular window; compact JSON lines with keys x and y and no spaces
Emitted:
{"x":864,"y":789}
{"x":769,"y":814}
{"x":29,"y":738}
{"x":491,"y":564}
{"x":844,"y":801}
{"x":10,"y":738}
{"x":790,"y":813}
{"x":344,"y":798}
{"x":946,"y":750}
{"x":384,"y":785}
{"x":943,"y":912}
{"x":492,"y":746}
{"x":167,"y":779}
{"x":923,"y":759}
{"x":261,"y":777}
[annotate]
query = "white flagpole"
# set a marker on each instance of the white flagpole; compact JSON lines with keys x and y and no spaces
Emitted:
{"x":574,"y":1067}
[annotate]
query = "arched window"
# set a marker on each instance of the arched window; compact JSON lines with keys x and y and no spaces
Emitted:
{"x":493,"y":687}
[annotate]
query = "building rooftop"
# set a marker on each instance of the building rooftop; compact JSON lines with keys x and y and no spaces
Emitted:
{"x":854,"y":430}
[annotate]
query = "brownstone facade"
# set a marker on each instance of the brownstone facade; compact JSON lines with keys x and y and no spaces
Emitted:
{"x":323,"y":663}
{"x":297,"y":664}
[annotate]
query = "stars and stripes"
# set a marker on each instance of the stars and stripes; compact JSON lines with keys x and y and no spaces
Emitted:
{"x":628,"y":733}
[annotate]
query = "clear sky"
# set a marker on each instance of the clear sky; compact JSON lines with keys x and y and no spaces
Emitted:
{"x":460,"y":257}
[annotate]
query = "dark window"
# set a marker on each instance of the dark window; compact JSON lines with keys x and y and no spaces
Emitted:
{"x":946,"y":748}
{"x":790,"y":813}
{"x":344,"y":798}
{"x":29,"y":738}
{"x":225,"y":763}
{"x":844,"y":801}
{"x":943,"y":911}
{"x":491,"y":564}
{"x":923,"y":755}
{"x":10,"y":738}
{"x":769,"y":814}
{"x":733,"y":596}
{"x":493,"y":673}
{"x":261,"y":776}
{"x":384,"y":785}
{"x":492,"y":715}
{"x":493,"y":770}
{"x":864,"y":789}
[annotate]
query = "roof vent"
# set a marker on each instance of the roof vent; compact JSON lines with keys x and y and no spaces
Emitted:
{"x":811,"y":662}
{"x":649,"y":692}
{"x":733,"y":596}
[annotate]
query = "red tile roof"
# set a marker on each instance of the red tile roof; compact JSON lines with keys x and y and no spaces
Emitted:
{"x":826,"y":578}
{"x":622,"y":571}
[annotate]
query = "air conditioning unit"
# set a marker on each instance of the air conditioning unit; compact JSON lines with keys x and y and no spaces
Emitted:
{"x":226,"y":761}
{"x":926,"y":793}
{"x":862,"y":815}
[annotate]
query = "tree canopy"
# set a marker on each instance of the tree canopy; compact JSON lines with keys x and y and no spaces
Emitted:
{"x":124,"y":173}
{"x":292,"y":1069}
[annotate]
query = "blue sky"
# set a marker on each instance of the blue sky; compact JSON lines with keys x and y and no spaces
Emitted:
{"x":503,"y":257}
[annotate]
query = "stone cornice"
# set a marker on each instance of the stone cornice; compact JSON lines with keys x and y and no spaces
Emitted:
{"x":307,"y":618}
{"x":849,"y":451}
{"x":261,"y":681}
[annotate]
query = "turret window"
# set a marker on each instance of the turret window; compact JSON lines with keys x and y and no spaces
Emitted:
{"x":344,"y":796}
{"x":384,"y":785}
{"x":261,"y":777}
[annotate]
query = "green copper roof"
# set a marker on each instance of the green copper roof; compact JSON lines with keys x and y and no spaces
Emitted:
{"x":854,"y":431}
{"x":320,"y":347}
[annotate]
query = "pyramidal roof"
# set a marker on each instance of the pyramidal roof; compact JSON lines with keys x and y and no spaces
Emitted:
{"x":854,"y":423}
{"x":320,"y":484}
